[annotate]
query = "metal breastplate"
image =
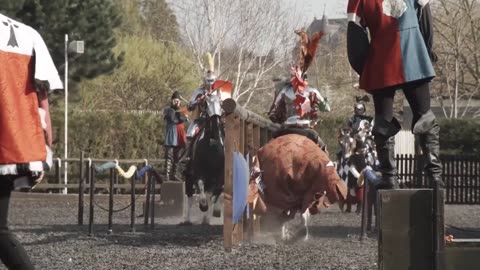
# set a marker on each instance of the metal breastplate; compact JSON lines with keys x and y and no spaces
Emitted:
{"x":291,"y":112}
{"x":289,"y":98}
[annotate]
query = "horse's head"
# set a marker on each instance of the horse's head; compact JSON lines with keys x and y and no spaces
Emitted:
{"x":364,"y":130}
{"x":346,"y":141}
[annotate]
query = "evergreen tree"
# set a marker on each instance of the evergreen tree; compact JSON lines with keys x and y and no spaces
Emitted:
{"x":92,"y":21}
{"x":160,"y":20}
{"x":8,"y":7}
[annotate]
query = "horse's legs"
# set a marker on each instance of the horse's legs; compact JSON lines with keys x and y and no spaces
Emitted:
{"x":203,"y":202}
{"x":189,"y":190}
{"x":189,"y":210}
{"x":217,"y":211}
{"x":292,"y":228}
{"x":306,"y":219}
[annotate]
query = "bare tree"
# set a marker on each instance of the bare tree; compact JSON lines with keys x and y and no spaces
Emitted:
{"x":248,"y":39}
{"x":457,"y":33}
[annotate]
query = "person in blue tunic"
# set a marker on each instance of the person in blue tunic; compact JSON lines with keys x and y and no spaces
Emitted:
{"x":175,"y":136}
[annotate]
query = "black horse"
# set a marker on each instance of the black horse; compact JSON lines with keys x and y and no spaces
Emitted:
{"x":206,"y":167}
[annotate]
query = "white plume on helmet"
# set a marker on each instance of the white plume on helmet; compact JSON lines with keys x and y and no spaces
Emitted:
{"x":210,"y":76}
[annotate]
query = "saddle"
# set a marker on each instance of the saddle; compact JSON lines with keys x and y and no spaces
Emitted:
{"x":307,"y":132}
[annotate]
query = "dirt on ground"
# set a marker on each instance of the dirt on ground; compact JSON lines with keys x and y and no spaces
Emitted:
{"x":47,"y":226}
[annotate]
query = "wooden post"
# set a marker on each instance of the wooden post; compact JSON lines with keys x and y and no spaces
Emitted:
{"x":231,"y":127}
{"x":146,"y":209}
{"x":406,"y":227}
{"x":147,"y":197}
{"x":152,"y":203}
{"x":263,"y":136}
{"x":438,"y":228}
{"x":250,"y":149}
{"x":132,"y":207}
{"x":237,"y":236}
{"x":81,"y":189}
{"x":58,"y":174}
{"x":363,"y":227}
{"x":371,"y":205}
{"x":110,"y":201}
{"x":256,"y":145}
{"x":91,"y":175}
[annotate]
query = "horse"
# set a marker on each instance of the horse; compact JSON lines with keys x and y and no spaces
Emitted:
{"x":206,"y":166}
{"x":346,"y":142}
{"x":295,"y":179}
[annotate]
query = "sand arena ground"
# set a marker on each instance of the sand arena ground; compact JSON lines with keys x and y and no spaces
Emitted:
{"x":47,"y":226}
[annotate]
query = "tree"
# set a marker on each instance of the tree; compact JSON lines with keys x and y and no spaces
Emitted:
{"x":152,"y":71}
{"x":160,"y":20}
{"x":93,"y":21}
{"x":11,"y":6}
{"x":248,"y":39}
{"x":457,"y":34}
{"x":153,"y":67}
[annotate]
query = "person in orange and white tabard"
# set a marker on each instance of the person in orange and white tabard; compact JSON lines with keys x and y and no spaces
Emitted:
{"x":27,"y":74}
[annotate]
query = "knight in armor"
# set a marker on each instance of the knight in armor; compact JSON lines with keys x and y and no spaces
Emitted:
{"x":357,"y":163}
{"x":197,"y":101}
{"x":398,"y":55}
{"x":197,"y":105}
{"x":297,"y":104}
{"x":175,"y":137}
{"x":360,"y":113}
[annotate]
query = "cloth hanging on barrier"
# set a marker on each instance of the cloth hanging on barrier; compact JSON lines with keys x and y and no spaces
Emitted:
{"x":240,"y":186}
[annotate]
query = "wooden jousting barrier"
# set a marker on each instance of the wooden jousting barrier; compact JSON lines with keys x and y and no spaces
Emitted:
{"x":243,"y":128}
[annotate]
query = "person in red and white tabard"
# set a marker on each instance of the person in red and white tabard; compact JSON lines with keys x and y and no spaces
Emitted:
{"x":397,"y":55}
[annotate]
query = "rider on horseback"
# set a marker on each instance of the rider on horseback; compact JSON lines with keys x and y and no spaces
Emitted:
{"x":297,"y":104}
{"x":196,"y":104}
{"x":206,"y":135}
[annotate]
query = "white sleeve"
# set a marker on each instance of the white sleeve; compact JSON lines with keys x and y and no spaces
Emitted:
{"x":45,"y":69}
{"x":355,"y":11}
{"x":422,"y":3}
{"x":354,"y":171}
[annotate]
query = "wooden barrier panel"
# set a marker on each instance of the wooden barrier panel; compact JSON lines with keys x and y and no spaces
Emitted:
{"x":231,"y":124}
{"x":231,"y":106}
{"x":463,"y":255}
{"x":245,"y":132}
{"x":406,"y":229}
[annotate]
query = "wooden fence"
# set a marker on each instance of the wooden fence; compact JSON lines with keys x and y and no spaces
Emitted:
{"x":461,"y":175}
{"x":242,"y":129}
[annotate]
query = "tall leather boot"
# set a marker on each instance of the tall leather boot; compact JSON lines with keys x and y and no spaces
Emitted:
{"x":428,"y":132}
{"x":384,"y":137}
{"x":168,"y":163}
{"x":173,"y":172}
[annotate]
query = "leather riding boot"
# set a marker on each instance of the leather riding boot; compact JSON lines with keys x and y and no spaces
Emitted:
{"x":428,"y":132}
{"x":384,"y":133}
{"x":175,"y":160}
{"x":173,"y":172}
{"x":168,"y":163}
